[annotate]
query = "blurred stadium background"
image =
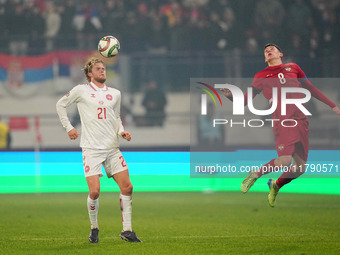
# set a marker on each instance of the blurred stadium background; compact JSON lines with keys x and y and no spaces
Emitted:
{"x":44,"y":44}
{"x":164,"y":43}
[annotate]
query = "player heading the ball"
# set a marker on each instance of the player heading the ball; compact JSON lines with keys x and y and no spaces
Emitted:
{"x":292,"y":143}
{"x":99,"y":110}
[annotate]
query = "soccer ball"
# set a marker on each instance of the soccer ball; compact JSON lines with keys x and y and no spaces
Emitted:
{"x":109,"y":46}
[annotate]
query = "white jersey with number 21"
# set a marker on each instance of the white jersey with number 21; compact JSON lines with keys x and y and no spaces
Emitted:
{"x":99,"y":110}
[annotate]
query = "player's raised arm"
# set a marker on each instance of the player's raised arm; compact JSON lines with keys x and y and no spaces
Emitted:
{"x":319,"y":95}
{"x":315,"y":92}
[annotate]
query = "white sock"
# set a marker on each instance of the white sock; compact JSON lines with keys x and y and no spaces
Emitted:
{"x":126,"y":208}
{"x":93,"y":206}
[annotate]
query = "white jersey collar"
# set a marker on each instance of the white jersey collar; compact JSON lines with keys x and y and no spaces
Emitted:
{"x":95,"y":88}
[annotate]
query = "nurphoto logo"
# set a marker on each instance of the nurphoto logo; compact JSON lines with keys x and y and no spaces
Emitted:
{"x":239,"y":105}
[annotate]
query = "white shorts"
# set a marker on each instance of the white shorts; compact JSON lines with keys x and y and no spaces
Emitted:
{"x":112,"y":161}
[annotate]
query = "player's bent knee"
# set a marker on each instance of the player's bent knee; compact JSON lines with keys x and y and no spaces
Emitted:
{"x":94,"y":194}
{"x":127,"y":189}
{"x":284,"y":161}
{"x":287,"y":162}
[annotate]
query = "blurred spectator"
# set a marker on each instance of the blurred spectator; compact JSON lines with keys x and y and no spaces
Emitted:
{"x":215,"y":35}
{"x":87,"y":25}
{"x":209,"y":136}
{"x":179,"y":34}
{"x":299,"y":20}
{"x":252,"y":46}
{"x":229,"y":29}
{"x":3,"y":27}
{"x":197,"y":26}
{"x":66,"y":36}
{"x":130,"y":34}
{"x":249,"y":36}
{"x":220,"y":5}
{"x":18,"y":28}
{"x":330,"y":30}
{"x":329,"y":43}
{"x":37,"y":28}
{"x":251,"y":56}
{"x":322,"y":4}
{"x":5,"y":136}
{"x":143,"y":26}
{"x":314,"y":43}
{"x":154,"y":103}
{"x":93,"y":25}
{"x":269,"y":15}
{"x":196,"y":2}
{"x":78,"y":24}
{"x":52,"y":25}
{"x":159,"y":37}
{"x":245,"y":11}
{"x":171,"y":10}
{"x":113,"y":16}
{"x":297,"y":46}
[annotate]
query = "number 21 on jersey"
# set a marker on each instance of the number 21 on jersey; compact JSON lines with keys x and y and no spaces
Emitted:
{"x":101,"y":113}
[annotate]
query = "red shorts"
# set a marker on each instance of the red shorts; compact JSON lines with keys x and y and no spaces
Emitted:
{"x":290,"y":140}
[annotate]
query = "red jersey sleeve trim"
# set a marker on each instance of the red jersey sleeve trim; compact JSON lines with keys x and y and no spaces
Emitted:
{"x":302,"y":80}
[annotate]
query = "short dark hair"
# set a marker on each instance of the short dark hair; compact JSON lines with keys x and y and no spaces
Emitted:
{"x":273,"y":44}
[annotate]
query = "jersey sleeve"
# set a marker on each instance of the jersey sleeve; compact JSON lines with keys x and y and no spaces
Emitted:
{"x":317,"y":93}
{"x":257,"y":84}
{"x":300,"y":74}
{"x":312,"y":89}
{"x":116,"y":110}
{"x":70,"y":98}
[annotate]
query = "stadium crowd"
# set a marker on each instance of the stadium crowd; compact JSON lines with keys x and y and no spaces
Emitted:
{"x":29,"y":27}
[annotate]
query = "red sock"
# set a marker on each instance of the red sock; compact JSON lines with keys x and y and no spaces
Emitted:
{"x":267,"y":168}
{"x":286,"y":177}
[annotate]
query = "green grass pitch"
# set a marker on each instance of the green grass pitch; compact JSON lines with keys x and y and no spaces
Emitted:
{"x":173,"y":223}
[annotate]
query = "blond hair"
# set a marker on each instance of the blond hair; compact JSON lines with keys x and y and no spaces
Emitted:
{"x":88,"y":66}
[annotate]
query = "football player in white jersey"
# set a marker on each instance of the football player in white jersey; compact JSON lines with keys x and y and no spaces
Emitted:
{"x":99,"y":110}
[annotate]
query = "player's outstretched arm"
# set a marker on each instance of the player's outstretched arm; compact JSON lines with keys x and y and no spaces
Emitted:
{"x":126,"y":135}
{"x":320,"y":96}
{"x":317,"y":93}
{"x":336,"y":110}
{"x":73,"y":134}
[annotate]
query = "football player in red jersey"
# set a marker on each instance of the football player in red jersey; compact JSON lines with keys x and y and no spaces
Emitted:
{"x":291,"y":143}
